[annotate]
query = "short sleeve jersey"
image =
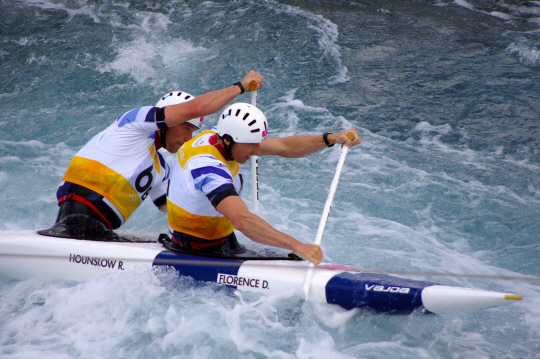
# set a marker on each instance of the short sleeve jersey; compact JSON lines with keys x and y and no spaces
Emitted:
{"x":122,"y":163}
{"x":200,"y":178}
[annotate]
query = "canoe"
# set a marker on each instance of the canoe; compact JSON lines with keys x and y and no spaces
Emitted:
{"x":26,"y":254}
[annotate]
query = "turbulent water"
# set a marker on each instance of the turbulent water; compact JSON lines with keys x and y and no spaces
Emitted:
{"x":445,"y":95}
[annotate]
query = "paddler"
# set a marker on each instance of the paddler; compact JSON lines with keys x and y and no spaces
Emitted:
{"x":120,"y":167}
{"x":203,"y":201}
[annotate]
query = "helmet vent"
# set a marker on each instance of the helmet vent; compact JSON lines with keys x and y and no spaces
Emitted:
{"x":246,"y":116}
{"x":252,"y":122}
{"x":238,"y":112}
{"x":187,"y":97}
{"x":255,"y":130}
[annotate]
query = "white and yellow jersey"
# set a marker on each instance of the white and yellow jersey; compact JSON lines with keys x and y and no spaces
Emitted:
{"x":200,"y":178}
{"x":122,"y":164}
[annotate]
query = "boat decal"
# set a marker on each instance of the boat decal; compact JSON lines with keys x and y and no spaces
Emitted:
{"x":378,"y":291}
{"x":96,"y":261}
{"x":229,"y":279}
{"x":381,"y":288}
{"x":335,"y":267}
{"x":198,"y":267}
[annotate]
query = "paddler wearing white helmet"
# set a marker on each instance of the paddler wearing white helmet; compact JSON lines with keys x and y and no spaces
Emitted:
{"x":204,"y":206}
{"x":172,"y":138}
{"x":120,"y":167}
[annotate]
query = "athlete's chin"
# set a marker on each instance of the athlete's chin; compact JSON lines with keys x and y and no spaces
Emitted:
{"x":173,"y":148}
{"x":243,"y":160}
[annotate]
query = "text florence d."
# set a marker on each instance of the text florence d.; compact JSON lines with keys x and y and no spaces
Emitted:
{"x":229,"y":279}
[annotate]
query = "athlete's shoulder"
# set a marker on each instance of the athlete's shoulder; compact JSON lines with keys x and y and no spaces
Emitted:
{"x":141,"y":114}
{"x":204,"y":160}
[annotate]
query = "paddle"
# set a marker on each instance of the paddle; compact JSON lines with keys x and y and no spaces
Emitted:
{"x":326,"y":211}
{"x":254,"y":159}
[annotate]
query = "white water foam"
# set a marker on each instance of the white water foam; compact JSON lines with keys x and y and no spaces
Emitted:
{"x":86,"y":10}
{"x":149,"y":59}
{"x":528,"y":54}
{"x":387,"y":215}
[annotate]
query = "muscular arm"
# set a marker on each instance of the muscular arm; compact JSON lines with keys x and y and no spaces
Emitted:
{"x":303,"y":145}
{"x":258,"y":230}
{"x":208,"y":103}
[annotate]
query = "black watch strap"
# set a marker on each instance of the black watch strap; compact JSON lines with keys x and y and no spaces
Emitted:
{"x":239,"y":84}
{"x":325,"y":138}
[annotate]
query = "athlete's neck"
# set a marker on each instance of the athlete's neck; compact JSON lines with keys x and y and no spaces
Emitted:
{"x":216,"y":142}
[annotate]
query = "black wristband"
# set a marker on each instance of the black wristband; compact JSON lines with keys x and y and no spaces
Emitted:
{"x":325,"y":138}
{"x":239,"y":84}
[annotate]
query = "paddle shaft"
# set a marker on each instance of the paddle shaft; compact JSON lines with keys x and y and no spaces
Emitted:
{"x":325,"y":214}
{"x":254,"y":159}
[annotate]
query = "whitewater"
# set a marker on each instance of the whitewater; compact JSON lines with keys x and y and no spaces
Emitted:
{"x":444,"y":94}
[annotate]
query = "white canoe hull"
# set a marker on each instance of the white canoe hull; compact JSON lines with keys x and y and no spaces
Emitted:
{"x":25,"y":254}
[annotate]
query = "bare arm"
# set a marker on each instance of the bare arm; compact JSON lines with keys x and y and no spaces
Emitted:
{"x":208,"y":103}
{"x":258,"y":230}
{"x":303,"y":145}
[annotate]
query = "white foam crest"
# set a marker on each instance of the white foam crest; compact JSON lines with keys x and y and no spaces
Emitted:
{"x":148,"y":22}
{"x":501,"y":15}
{"x":388,"y":349}
{"x":388,"y":245}
{"x":41,"y":154}
{"x":265,"y":326}
{"x":289,"y":101}
{"x":87,"y":10}
{"x":464,"y":4}
{"x":320,"y":348}
{"x":431,"y":142}
{"x":376,"y":160}
{"x":24,"y":41}
{"x":33,"y":144}
{"x":260,"y":312}
{"x":41,"y":60}
{"x":528,"y":11}
{"x":333,"y":316}
{"x":70,"y":319}
{"x":144,"y":59}
{"x":425,"y":126}
{"x":291,"y":111}
{"x":527,"y":54}
{"x":517,"y":10}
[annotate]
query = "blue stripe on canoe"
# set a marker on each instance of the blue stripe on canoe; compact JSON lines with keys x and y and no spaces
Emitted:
{"x":198,"y":267}
{"x":376,"y":291}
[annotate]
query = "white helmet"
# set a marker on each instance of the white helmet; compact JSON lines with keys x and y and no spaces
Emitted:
{"x":244,"y":123}
{"x":176,"y":97}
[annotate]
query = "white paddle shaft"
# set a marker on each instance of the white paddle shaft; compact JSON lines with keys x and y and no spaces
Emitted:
{"x":254,"y":164}
{"x":325,"y":214}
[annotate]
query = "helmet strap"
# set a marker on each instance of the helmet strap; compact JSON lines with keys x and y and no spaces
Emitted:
{"x":163,"y":137}
{"x":228,"y":147}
